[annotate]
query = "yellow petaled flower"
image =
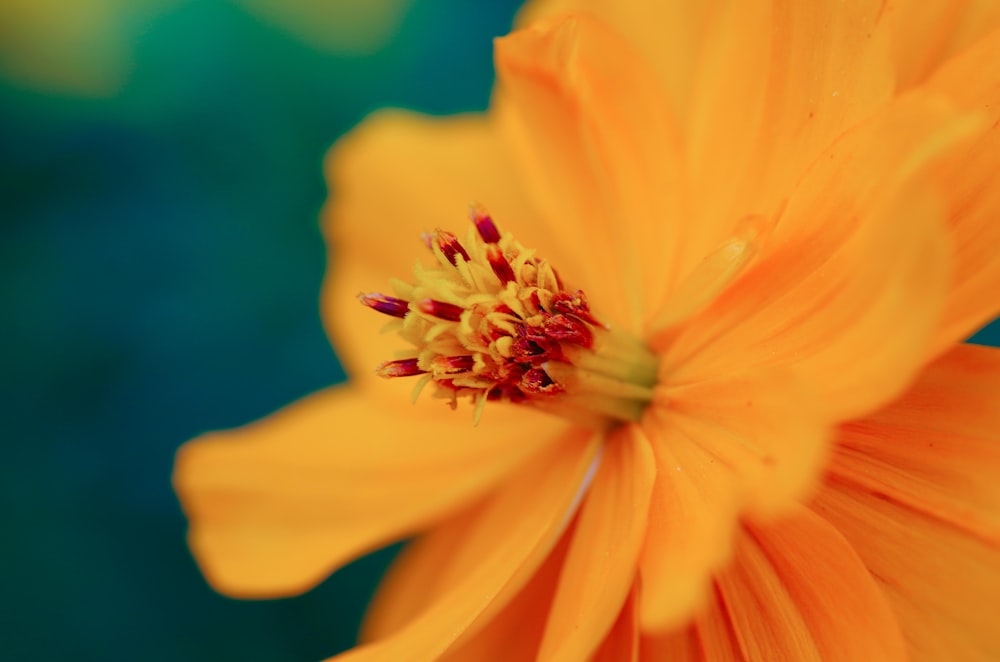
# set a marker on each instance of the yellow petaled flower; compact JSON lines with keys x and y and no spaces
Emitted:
{"x":701,"y":335}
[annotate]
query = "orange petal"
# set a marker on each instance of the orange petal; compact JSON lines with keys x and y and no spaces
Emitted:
{"x":277,"y":505}
{"x":595,"y":143}
{"x":937,"y":449}
{"x":757,"y":86}
{"x":433,"y":565}
{"x":622,"y":643}
{"x":777,"y":82}
{"x":929,"y":32}
{"x":797,"y":591}
{"x":851,"y":287}
{"x":601,"y":563}
{"x":914,"y":488}
{"x":393,"y":178}
{"x":504,"y":545}
{"x":721,"y":449}
{"x":969,"y":179}
{"x":681,"y":645}
{"x":941,"y":583}
{"x":668,"y":35}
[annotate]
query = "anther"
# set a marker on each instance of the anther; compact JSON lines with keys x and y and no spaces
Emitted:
{"x":452,"y":365}
{"x":538,"y":381}
{"x":400,"y":368}
{"x":565,"y":328}
{"x":385,"y":304}
{"x":450,"y":246}
{"x":574,"y":304}
{"x":501,"y":267}
{"x":440,"y":309}
{"x":484,"y":224}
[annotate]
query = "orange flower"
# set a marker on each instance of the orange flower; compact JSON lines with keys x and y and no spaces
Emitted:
{"x":767,"y":443}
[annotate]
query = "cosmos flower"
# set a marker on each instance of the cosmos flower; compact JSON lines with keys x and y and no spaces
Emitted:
{"x":688,"y":382}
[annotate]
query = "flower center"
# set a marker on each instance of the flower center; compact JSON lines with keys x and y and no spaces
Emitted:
{"x":493,"y":322}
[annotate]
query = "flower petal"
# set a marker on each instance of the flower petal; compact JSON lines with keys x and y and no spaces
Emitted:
{"x":969,"y":179}
{"x":797,"y":591}
{"x":859,"y":251}
{"x":914,"y":489}
{"x":937,"y":449}
{"x":507,"y":541}
{"x":601,"y":563}
{"x":277,"y":505}
{"x":397,"y":175}
{"x":941,"y":583}
{"x":622,"y":643}
{"x":595,"y":144}
{"x":722,"y":448}
{"x":794,"y":591}
{"x":434,"y":564}
{"x":929,"y":32}
{"x":769,"y":84}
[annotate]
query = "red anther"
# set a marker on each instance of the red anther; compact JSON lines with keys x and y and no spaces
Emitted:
{"x":484,"y":224}
{"x":529,"y":350}
{"x":537,"y":381}
{"x":501,"y":267}
{"x":450,"y":246}
{"x":574,"y":304}
{"x":509,"y":372}
{"x":440,"y":309}
{"x":568,"y":329}
{"x":452,"y":365}
{"x":400,"y":368}
{"x":385,"y":304}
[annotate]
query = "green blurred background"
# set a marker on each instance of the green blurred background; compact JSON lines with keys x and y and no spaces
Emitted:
{"x":160,"y":178}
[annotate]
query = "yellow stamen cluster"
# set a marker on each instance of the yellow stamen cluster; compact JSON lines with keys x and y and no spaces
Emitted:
{"x":492,"y":321}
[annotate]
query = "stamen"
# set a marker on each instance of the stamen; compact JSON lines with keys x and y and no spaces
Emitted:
{"x":451,"y":365}
{"x":400,"y":368}
{"x":440,"y":309}
{"x":385,"y":304}
{"x":484,"y":224}
{"x":568,"y":329}
{"x":501,"y":267}
{"x":450,"y":246}
{"x":494,"y":322}
{"x":538,"y":381}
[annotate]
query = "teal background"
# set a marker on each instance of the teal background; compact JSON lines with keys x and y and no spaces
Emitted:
{"x":159,"y":273}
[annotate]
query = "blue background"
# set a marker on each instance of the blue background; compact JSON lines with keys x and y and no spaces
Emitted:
{"x":159,"y":272}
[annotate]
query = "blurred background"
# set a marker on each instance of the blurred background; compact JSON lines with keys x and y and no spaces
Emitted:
{"x":160,"y":178}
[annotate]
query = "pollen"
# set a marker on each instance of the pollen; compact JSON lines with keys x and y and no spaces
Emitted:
{"x":490,"y":321}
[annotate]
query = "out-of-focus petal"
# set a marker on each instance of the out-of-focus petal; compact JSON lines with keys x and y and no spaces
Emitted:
{"x":769,"y":84}
{"x":622,"y":643}
{"x":504,"y":544}
{"x":431,"y":567}
{"x":929,"y":32}
{"x":968,"y":179}
{"x":914,"y":489}
{"x":860,"y":246}
{"x":277,"y":505}
{"x":599,"y":153}
{"x":937,"y":449}
{"x":797,"y":591}
{"x":600,"y":566}
{"x":722,"y":448}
